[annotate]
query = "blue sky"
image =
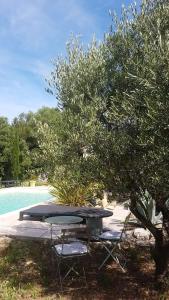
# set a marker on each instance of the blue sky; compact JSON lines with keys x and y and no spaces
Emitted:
{"x":32,"y":33}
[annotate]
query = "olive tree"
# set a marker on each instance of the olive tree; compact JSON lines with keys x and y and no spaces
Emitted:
{"x":78,"y":82}
{"x":139,"y":114}
{"x":114,"y":125}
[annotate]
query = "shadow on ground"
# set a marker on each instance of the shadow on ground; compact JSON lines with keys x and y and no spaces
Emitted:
{"x":27,"y":271}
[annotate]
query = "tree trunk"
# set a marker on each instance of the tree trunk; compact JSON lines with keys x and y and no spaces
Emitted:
{"x":160,"y":254}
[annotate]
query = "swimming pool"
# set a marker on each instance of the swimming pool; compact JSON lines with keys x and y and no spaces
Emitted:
{"x":15,"y":198}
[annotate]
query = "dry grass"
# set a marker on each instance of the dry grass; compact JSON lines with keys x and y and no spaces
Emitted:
{"x":26,"y":272}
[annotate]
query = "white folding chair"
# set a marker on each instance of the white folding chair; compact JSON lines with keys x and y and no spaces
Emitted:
{"x":111,"y":242}
{"x":69,"y":251}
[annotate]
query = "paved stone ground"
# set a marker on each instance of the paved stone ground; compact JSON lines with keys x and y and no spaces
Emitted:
{"x":134,"y":232}
{"x":116,"y":221}
{"x":10,"y":225}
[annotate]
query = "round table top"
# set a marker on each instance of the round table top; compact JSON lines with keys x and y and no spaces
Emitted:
{"x":49,"y":210}
{"x":91,"y":212}
{"x":63,"y":220}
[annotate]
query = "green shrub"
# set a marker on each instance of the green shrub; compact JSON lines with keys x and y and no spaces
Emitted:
{"x":72,"y":193}
{"x":25,"y":183}
{"x":41,"y":183}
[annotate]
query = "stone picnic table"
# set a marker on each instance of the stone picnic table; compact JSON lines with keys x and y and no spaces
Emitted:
{"x":92,"y":216}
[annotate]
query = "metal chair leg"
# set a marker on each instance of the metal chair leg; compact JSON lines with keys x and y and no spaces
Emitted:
{"x":71,"y":268}
{"x":107,"y":257}
{"x":84,"y":273}
{"x":114,"y":257}
{"x":59,"y":274}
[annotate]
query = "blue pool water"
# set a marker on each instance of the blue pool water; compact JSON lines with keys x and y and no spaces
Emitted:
{"x":10,"y":201}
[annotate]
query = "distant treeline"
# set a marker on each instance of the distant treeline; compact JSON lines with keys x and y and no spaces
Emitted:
{"x":19,"y":147}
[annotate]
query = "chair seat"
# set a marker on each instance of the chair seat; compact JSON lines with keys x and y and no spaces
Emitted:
{"x":111,"y":235}
{"x":74,"y":248}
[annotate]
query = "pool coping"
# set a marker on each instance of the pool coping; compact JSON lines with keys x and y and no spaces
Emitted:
{"x":26,"y":189}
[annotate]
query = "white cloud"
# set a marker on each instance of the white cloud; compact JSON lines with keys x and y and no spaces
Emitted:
{"x":33,"y":23}
{"x":75,"y":12}
{"x":32,"y":32}
{"x":26,"y":21}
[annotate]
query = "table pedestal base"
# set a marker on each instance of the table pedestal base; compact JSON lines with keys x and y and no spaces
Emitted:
{"x":95,"y":225}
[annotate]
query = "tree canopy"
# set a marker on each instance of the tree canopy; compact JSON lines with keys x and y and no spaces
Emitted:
{"x":114,"y":126}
